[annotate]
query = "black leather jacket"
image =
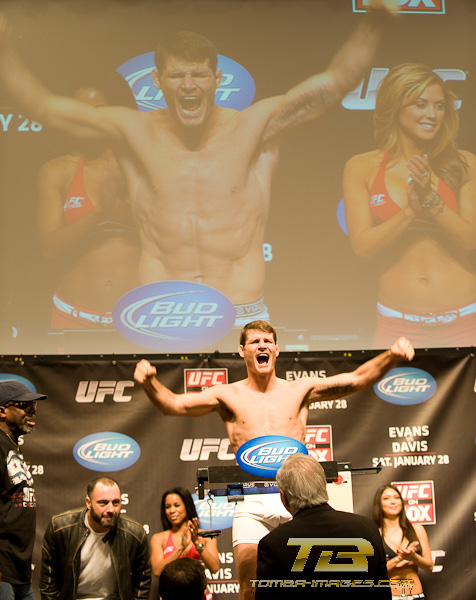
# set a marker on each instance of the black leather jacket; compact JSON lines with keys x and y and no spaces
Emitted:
{"x":61,"y":557}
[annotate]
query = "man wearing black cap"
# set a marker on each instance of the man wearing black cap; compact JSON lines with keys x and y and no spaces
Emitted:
{"x":17,"y":494}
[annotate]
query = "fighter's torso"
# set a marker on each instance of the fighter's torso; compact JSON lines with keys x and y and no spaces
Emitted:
{"x":200,"y":209}
{"x":249,"y":414}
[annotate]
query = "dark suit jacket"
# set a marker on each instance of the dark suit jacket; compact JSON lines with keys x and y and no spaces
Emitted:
{"x":276,"y":558}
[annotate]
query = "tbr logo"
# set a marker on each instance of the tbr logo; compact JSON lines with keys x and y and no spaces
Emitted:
{"x":319,"y":442}
{"x":96,"y":391}
{"x":197,"y":380}
{"x":363,"y":96}
{"x":201,"y":448}
{"x":432,"y":7}
{"x":406,"y":386}
{"x":106,"y":451}
{"x":174,"y":316}
{"x":264,"y":455}
{"x":358,"y":559}
{"x":237,"y":88}
{"x":419,"y":501}
{"x":215,"y":512}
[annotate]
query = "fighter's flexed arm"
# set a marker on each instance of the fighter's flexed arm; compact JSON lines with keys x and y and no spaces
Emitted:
{"x":364,"y":376}
{"x":185,"y":405}
{"x":311,"y":98}
{"x":67,"y":114}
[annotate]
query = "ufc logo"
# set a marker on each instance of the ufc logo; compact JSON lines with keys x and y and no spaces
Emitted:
{"x":207,"y":378}
{"x":317,"y":435}
{"x":363,"y":98}
{"x":200,"y":449}
{"x":358,"y":558}
{"x":96,"y":391}
{"x":415,"y":491}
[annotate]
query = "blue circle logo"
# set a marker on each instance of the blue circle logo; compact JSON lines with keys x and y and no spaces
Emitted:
{"x":406,"y":386}
{"x":214,"y":513}
{"x":341,"y":216}
{"x":106,"y":451}
{"x":237,"y":88}
{"x":264,"y":455}
{"x":174,"y":316}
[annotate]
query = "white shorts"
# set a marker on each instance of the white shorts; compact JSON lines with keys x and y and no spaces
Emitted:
{"x":256,"y":516}
{"x":253,"y":311}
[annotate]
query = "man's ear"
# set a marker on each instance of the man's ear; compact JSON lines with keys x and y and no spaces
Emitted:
{"x":88,"y":502}
{"x":3,"y":414}
{"x":240,"y":351}
{"x":156,"y":78}
{"x":277,"y":350}
{"x":218,"y":77}
{"x":284,"y":500}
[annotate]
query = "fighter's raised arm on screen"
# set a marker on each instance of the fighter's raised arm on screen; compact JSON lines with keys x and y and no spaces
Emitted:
{"x":64,"y":113}
{"x":314,"y":96}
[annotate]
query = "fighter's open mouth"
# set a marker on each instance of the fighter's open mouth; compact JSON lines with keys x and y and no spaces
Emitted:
{"x":263,"y":359}
{"x":190,"y":103}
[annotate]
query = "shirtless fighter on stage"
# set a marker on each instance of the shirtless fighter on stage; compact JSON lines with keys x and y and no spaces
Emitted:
{"x":199,"y":175}
{"x":263,"y":404}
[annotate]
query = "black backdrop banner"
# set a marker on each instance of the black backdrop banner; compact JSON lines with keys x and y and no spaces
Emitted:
{"x":418,"y":422}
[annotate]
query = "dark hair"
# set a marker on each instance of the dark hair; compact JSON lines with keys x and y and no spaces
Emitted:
{"x":186,"y":499}
{"x":182,"y":578}
{"x":109,"y":481}
{"x":407,"y":528}
{"x":259,"y":326}
{"x":187,"y":45}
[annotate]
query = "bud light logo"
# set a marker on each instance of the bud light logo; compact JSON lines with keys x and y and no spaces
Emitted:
{"x":214,"y":513}
{"x":174,"y":316}
{"x":406,"y":386}
{"x":264,"y":455}
{"x":19,"y":378}
{"x":106,"y":451}
{"x":237,"y":88}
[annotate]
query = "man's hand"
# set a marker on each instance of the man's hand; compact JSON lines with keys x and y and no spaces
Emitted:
{"x":402,"y":350}
{"x":144,"y":371}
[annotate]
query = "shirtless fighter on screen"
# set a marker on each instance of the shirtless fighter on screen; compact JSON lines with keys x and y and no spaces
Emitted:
{"x":263,"y":404}
{"x":199,"y":175}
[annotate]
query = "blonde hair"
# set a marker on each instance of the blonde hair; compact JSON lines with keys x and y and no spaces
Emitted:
{"x":401,"y":87}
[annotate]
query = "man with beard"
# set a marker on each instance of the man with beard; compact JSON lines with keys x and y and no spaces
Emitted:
{"x":95,"y":553}
{"x":17,"y":494}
